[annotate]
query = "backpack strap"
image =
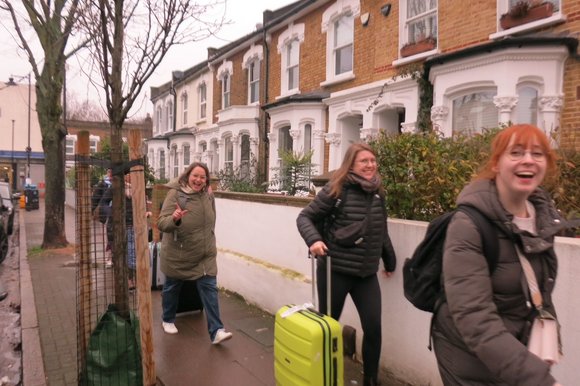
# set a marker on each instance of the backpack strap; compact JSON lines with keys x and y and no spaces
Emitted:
{"x":488,"y":232}
{"x":490,"y":245}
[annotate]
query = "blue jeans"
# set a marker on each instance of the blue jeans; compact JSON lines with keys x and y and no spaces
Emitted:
{"x":208,"y":292}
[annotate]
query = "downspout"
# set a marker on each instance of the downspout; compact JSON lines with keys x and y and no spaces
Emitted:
{"x":266,"y":119}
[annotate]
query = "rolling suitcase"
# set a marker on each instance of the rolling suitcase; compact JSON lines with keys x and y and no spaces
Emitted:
{"x":157,"y":277}
{"x":307,"y":344}
{"x":189,"y":299}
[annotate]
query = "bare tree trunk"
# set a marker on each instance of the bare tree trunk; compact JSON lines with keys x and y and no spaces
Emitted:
{"x":48,"y":106}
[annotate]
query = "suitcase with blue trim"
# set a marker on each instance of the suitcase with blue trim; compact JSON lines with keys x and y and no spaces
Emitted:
{"x":308,"y":345}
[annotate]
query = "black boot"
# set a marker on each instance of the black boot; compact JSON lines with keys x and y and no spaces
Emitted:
{"x":369,"y":381}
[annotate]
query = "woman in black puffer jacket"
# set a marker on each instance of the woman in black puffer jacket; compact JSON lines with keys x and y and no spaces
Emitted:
{"x":347,"y":221}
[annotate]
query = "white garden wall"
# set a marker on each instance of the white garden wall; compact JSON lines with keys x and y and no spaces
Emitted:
{"x":263,"y":258}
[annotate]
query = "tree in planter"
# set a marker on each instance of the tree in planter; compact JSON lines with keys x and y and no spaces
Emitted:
{"x":294,"y":172}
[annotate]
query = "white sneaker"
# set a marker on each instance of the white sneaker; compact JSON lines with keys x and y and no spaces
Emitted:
{"x":169,"y":328}
{"x":221,"y":335}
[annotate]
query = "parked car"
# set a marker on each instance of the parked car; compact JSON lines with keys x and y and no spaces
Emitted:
{"x":7,"y":201}
{"x":5,"y":214}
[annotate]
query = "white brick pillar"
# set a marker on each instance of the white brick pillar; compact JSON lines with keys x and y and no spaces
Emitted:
{"x":550,"y":107}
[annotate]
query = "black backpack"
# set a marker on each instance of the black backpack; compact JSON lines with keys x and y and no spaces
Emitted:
{"x":422,"y":272}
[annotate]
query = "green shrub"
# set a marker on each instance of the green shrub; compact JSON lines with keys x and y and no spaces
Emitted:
{"x":423,"y":173}
{"x":242,"y":178}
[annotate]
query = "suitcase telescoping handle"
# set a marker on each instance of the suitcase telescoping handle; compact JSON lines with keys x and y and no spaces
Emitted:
{"x":328,"y":271}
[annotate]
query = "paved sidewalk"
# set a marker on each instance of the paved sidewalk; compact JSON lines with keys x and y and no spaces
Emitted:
{"x":188,"y":358}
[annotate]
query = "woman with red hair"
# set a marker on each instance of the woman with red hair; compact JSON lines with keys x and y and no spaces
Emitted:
{"x":481,"y":332}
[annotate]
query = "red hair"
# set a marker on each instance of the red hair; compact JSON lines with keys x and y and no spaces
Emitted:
{"x":524,"y":135}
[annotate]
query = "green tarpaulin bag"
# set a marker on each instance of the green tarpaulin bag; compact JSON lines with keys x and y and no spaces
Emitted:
{"x":114,"y":353}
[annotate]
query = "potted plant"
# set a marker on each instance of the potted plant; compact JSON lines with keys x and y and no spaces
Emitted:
{"x":524,"y":12}
{"x":421,"y":45}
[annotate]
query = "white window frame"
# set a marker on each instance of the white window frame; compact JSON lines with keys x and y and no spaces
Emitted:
{"x":226,"y":83}
{"x":175,"y":161}
{"x":464,"y":93}
{"x":159,"y":119}
{"x":330,"y":22}
{"x":186,"y":154}
{"x":295,"y":32}
{"x":406,"y":22}
{"x":538,"y":90}
{"x":202,"y":91}
{"x":94,"y":143}
{"x":184,"y":103}
{"x":254,"y":83}
{"x":169,"y":114}
{"x":70,"y":150}
{"x":228,"y":153}
{"x":162,"y":162}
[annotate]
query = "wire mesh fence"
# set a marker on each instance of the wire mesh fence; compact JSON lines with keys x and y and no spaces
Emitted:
{"x":109,"y":341}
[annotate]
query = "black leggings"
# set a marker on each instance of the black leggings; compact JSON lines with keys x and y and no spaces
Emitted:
{"x":366,"y":296}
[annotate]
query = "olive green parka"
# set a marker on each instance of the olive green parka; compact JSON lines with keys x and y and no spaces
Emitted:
{"x":188,"y":247}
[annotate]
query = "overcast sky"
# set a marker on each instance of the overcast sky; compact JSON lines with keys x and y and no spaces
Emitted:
{"x":243,"y":14}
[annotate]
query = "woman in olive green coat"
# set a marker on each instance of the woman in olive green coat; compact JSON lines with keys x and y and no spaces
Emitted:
{"x":188,"y":247}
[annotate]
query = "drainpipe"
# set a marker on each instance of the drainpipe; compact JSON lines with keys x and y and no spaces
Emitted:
{"x":266,"y":120}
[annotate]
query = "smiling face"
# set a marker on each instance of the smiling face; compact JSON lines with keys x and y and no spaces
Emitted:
{"x":365,"y":164}
{"x":197,"y":179}
{"x":520,"y":169}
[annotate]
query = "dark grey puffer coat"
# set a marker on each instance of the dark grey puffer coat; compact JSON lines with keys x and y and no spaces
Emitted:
{"x":360,"y":260}
{"x":480,"y":334}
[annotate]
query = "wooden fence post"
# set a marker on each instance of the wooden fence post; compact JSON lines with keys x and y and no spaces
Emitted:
{"x":83,"y":243}
{"x":142,"y":255}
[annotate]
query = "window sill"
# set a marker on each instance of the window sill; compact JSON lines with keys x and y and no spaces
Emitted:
{"x":288,"y":93}
{"x":554,"y":19}
{"x":201,"y":121}
{"x":414,"y":58}
{"x":338,"y":79}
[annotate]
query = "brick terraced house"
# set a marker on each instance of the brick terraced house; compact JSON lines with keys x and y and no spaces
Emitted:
{"x":319,"y":74}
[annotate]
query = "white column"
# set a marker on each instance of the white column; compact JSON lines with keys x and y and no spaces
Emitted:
{"x":439,"y":118}
{"x":505,"y":105}
{"x":318,"y":155}
{"x":273,"y":139}
{"x":221,"y":155}
{"x":335,"y":158}
{"x":550,"y":107}
{"x":295,"y":134}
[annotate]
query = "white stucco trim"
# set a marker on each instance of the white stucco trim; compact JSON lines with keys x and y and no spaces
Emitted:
{"x":505,"y":70}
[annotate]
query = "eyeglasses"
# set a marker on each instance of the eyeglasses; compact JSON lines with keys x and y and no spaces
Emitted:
{"x":367,"y":161}
{"x":518,"y":154}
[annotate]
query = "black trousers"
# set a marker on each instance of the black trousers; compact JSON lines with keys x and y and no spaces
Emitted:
{"x":366,"y":296}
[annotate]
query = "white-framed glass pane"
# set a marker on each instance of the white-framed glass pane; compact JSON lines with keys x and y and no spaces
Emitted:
{"x":170,"y":115}
{"x":245,"y":156}
{"x":159,"y":119}
{"x":184,"y":103}
{"x":175,"y":162}
{"x":186,"y":155}
{"x":229,"y":153}
{"x":526,"y":110}
{"x":202,"y":100}
{"x":307,"y":137}
{"x":473,"y":112}
{"x":421,"y":19}
{"x":343,"y":60}
{"x":162,"y":164}
{"x":226,"y":91}
{"x":93,"y":146}
{"x":254,"y":72}
{"x":70,"y":146}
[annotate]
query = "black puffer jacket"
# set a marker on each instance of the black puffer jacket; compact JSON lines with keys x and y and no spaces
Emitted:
{"x":482,"y":330}
{"x":358,"y":260}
